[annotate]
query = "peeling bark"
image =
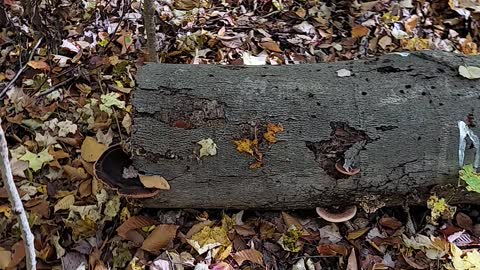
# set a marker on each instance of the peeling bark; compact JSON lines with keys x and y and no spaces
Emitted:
{"x":394,"y":120}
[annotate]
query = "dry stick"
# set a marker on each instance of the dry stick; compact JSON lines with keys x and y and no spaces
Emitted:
{"x":16,"y":202}
{"x":149,"y":22}
{"x":21,"y":70}
{"x":53,"y":88}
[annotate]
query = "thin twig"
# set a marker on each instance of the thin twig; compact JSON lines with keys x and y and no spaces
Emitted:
{"x":21,"y":70}
{"x":53,"y":88}
{"x":16,"y":202}
{"x":124,"y":10}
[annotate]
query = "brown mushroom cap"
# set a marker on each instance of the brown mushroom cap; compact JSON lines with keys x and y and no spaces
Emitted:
{"x":109,"y":170}
{"x":337,"y":217}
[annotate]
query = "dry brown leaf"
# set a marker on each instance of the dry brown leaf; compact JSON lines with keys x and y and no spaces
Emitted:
{"x":271,"y":46}
{"x":154,"y":181}
{"x":464,"y":221}
{"x":160,"y":238}
{"x":91,"y":150}
{"x":385,"y":41}
{"x":252,"y":255}
{"x":85,"y":188}
{"x":5,"y":258}
{"x":42,"y":209}
{"x":271,"y":134}
{"x":290,"y":220}
{"x":332,"y":250}
{"x":133,"y":223}
{"x":60,"y":154}
{"x":18,"y":253}
{"x":359,"y":31}
{"x":390,"y":222}
{"x":75,"y":173}
{"x":244,"y":230}
{"x":411,"y":23}
{"x":358,"y":233}
{"x":64,"y":203}
{"x":38,"y":64}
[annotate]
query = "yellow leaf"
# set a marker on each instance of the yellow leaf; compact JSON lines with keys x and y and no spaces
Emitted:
{"x":359,"y":31}
{"x":272,"y":131}
{"x":91,"y":150}
{"x":160,"y":238}
{"x":252,"y":255}
{"x":154,"y":181}
{"x":469,"y":72}
{"x":357,"y":234}
{"x":64,"y":203}
{"x":6,"y":210}
{"x":246,"y":146}
{"x":38,"y":64}
{"x":209,"y":148}
{"x":439,"y":209}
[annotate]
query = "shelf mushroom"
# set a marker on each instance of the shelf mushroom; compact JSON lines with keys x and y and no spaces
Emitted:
{"x":338,"y":216}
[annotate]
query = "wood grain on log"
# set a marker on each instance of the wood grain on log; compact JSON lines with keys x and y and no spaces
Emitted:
{"x":396,"y":115}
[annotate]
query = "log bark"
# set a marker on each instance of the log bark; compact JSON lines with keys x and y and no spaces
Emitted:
{"x":399,"y":112}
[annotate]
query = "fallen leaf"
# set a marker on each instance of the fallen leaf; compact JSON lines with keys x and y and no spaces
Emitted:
{"x":252,"y":255}
{"x":385,"y":41}
{"x":411,"y":23}
{"x":390,"y":222}
{"x":75,"y":174}
{"x":251,"y":60}
{"x":352,"y":261}
{"x":91,"y":150}
{"x":18,"y":167}
{"x":357,"y":234}
{"x":359,"y":31}
{"x":36,"y":161}
{"x":246,"y":145}
{"x":331,"y":250}
{"x":469,"y":72}
{"x":105,"y":138}
{"x":271,"y":46}
{"x":209,"y":148}
{"x":272,"y":131}
{"x":463,"y":221}
{"x":5,"y":259}
{"x":38,"y":64}
{"x":64,"y":203}
{"x":344,"y":73}
{"x":160,"y":238}
{"x":154,"y":181}
{"x":66,"y":127}
{"x":133,"y":223}
{"x":291,"y":221}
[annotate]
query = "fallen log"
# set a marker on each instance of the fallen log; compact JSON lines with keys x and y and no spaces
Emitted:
{"x":301,"y":136}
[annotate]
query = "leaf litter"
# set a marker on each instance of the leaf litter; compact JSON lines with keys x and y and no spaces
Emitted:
{"x":73,"y":100}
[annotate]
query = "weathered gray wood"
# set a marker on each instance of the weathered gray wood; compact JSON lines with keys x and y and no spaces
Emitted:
{"x":404,"y":108}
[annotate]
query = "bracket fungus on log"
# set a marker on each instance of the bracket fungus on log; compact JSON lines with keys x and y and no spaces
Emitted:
{"x":337,"y":215}
{"x":109,"y":168}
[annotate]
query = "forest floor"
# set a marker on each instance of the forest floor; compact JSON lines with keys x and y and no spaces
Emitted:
{"x":68,"y":69}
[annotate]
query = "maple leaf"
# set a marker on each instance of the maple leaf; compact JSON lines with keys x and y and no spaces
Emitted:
{"x":246,"y":146}
{"x":36,"y":161}
{"x":110,"y":100}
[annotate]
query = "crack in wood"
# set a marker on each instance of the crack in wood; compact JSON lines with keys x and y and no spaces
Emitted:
{"x":330,"y":151}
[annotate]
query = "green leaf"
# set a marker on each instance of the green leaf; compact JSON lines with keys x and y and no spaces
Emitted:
{"x":469,"y":72}
{"x":472,"y":179}
{"x":103,"y":43}
{"x":36,"y":161}
{"x":109,"y":100}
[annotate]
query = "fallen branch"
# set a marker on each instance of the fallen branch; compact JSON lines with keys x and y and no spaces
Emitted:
{"x":16,"y":202}
{"x":53,"y":88}
{"x":21,"y":70}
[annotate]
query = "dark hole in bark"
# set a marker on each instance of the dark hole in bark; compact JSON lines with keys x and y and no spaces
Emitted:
{"x":313,"y":116}
{"x":408,"y":86}
{"x":419,"y":138}
{"x":211,"y":75}
{"x":318,"y":103}
{"x":364,"y":93}
{"x":310,"y":95}
{"x":330,"y":151}
{"x":424,"y":94}
{"x":433,"y":87}
{"x":440,"y":104}
{"x":402,"y":92}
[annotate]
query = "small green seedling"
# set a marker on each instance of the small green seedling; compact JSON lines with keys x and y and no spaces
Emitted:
{"x":468,"y":174}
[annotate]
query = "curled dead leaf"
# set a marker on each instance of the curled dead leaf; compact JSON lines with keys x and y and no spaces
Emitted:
{"x":91,"y":150}
{"x":154,"y":181}
{"x":133,"y":223}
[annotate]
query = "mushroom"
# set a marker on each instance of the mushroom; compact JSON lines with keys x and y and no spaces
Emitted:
{"x":342,"y":170}
{"x":108,"y":169}
{"x":339,"y":215}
